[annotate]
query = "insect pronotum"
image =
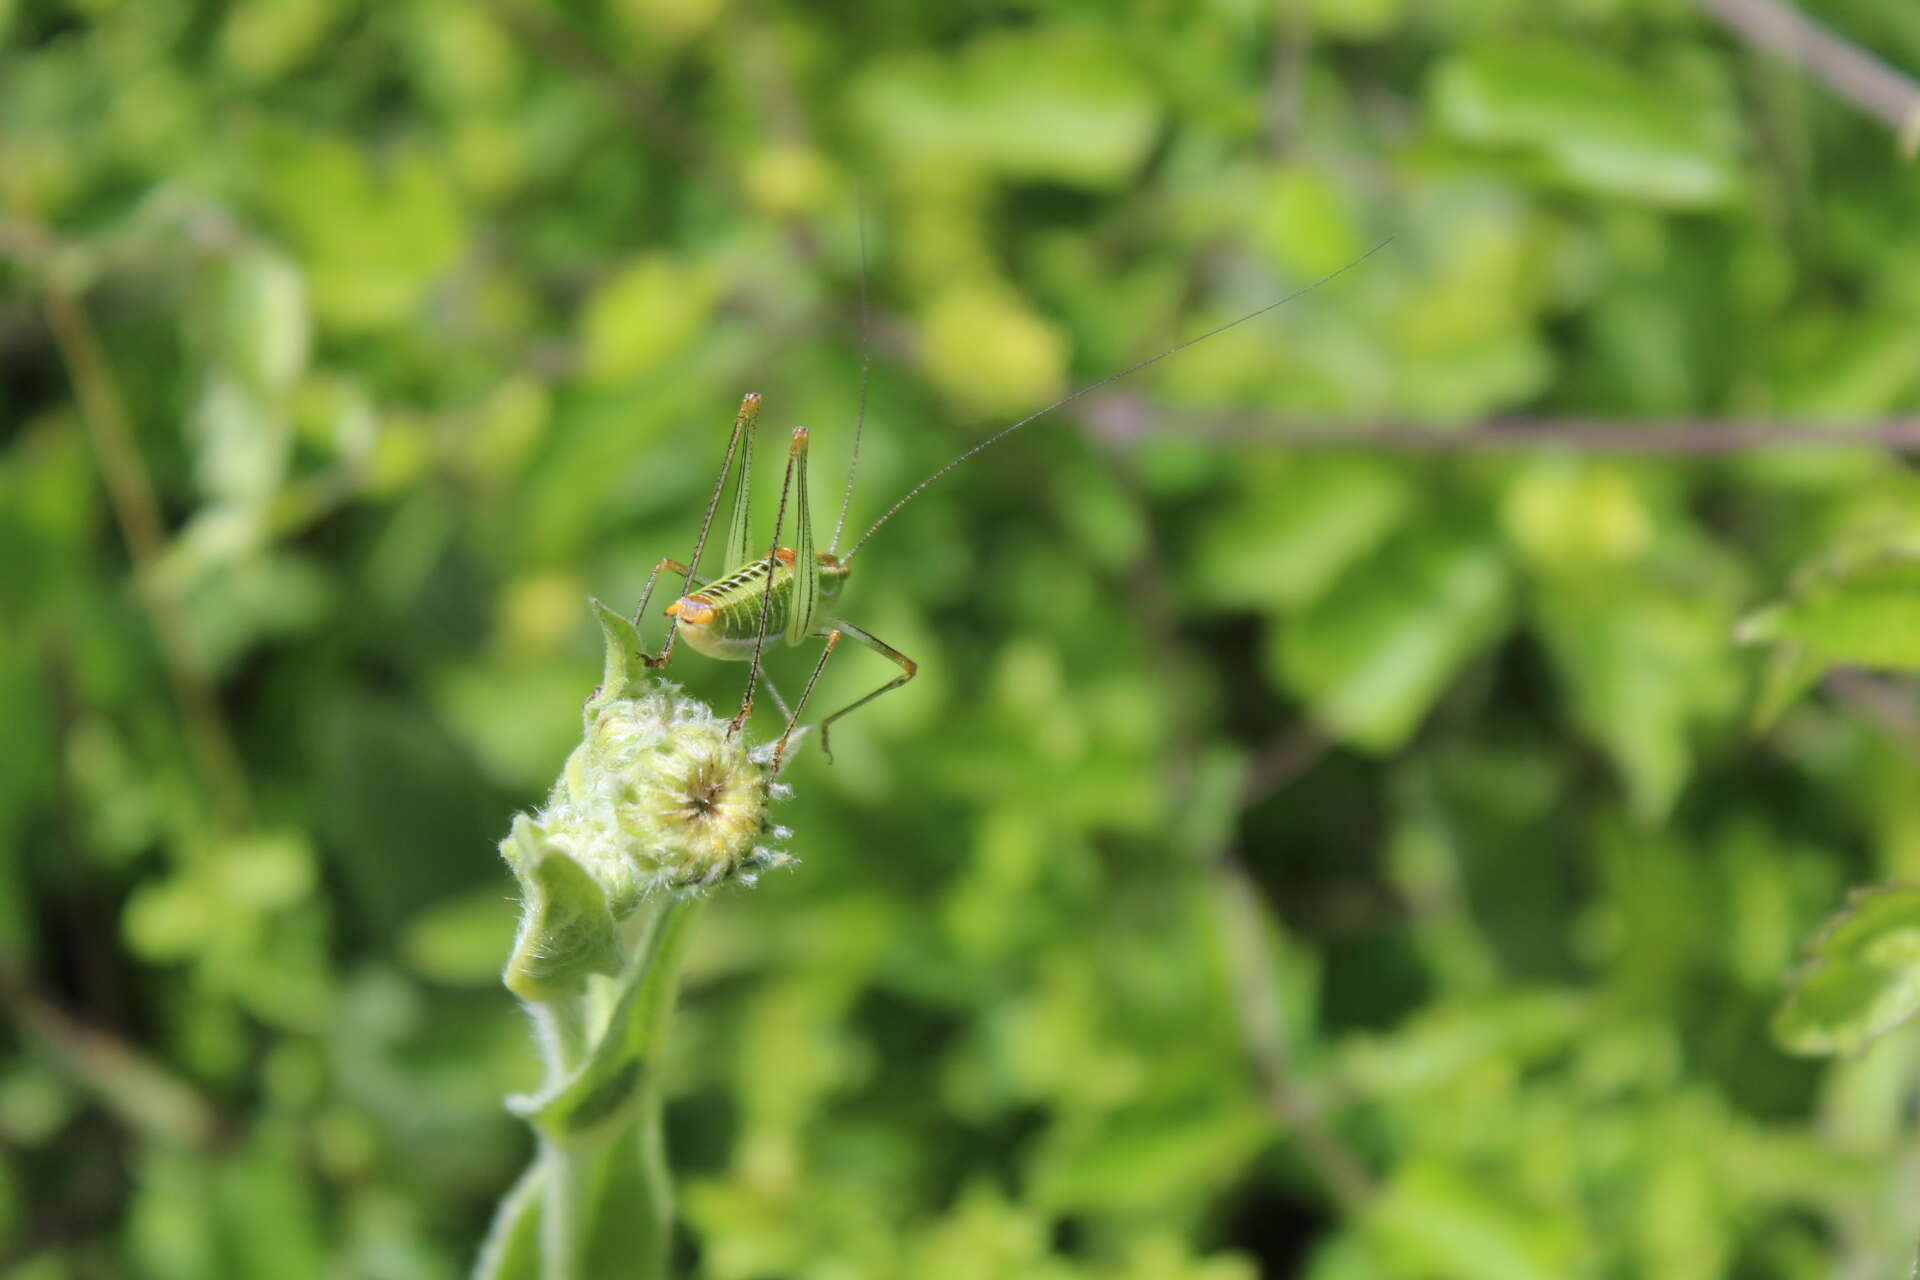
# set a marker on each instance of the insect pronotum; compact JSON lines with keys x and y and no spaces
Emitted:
{"x":794,"y":592}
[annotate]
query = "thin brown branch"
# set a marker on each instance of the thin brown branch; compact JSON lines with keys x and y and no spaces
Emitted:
{"x":1282,"y":760}
{"x":1244,"y":922}
{"x":1887,"y":703}
{"x":137,"y":1087}
{"x":1261,"y":1012}
{"x":136,"y":508}
{"x":1127,"y":420}
{"x":1287,"y":73}
{"x":1842,"y":68}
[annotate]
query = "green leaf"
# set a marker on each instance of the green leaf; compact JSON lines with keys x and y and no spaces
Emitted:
{"x":626,"y":664}
{"x":632,"y":1207}
{"x":1437,"y":1222}
{"x":1645,"y":664}
{"x":1302,"y":522}
{"x":371,"y":241}
{"x":1143,"y":1156}
{"x":241,"y":441}
{"x":987,"y":348}
{"x":1570,"y":519}
{"x":1591,"y":122}
{"x":1842,"y":366}
{"x":268,"y":1205}
{"x":1864,"y":976}
{"x":1004,"y":105}
{"x":1790,"y":672}
{"x":643,"y":314}
{"x":1356,"y":19}
{"x":1868,"y":614}
{"x":262,"y":43}
{"x":1376,"y":652}
{"x":1303,"y":220}
{"x":514,"y":717}
{"x":566,"y":929}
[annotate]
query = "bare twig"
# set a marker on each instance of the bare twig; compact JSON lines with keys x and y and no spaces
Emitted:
{"x":1281,"y":761}
{"x":138,"y":512}
{"x":1287,"y":72}
{"x":1245,"y":925}
{"x":1126,"y":420}
{"x":1843,"y":68}
{"x":136,"y":509}
{"x":143,"y":1092}
{"x":1887,"y":703}
{"x":1261,"y":1012}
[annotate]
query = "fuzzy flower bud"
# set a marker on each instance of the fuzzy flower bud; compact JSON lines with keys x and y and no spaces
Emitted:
{"x":659,"y":797}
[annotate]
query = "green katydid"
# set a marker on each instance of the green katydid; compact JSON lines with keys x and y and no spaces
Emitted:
{"x":793,"y":592}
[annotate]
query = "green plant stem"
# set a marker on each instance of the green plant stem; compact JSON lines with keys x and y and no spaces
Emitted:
{"x":655,"y":1203}
{"x":576,"y":1173}
{"x":564,"y":1036}
{"x":666,"y":946}
{"x":564,"y":1171}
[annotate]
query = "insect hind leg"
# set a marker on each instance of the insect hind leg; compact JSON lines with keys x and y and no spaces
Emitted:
{"x":793,"y":717}
{"x":908,"y":669}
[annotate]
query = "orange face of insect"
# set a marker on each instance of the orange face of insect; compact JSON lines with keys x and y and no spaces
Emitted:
{"x":691,"y":611}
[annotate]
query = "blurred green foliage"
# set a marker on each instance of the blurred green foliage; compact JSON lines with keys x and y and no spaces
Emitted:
{"x":1335,"y":863}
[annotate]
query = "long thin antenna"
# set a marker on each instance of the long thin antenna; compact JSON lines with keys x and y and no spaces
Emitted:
{"x":1004,"y":432}
{"x":866,"y":361}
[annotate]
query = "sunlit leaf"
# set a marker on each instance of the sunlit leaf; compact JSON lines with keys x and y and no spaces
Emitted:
{"x":642,"y":314}
{"x":1595,"y":124}
{"x":1863,"y":978}
{"x":1372,"y":655}
{"x":1003,"y":105}
{"x":566,"y":929}
{"x":1868,"y":614}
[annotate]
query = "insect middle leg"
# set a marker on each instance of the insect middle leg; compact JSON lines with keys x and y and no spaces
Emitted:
{"x":693,"y":580}
{"x":696,"y":581}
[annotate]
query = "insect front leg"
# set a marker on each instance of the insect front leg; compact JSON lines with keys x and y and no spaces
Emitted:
{"x":907,"y":670}
{"x":674,"y":566}
{"x":646,"y":593}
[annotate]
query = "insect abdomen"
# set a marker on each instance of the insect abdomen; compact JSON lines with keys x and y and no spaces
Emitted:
{"x":723,"y":618}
